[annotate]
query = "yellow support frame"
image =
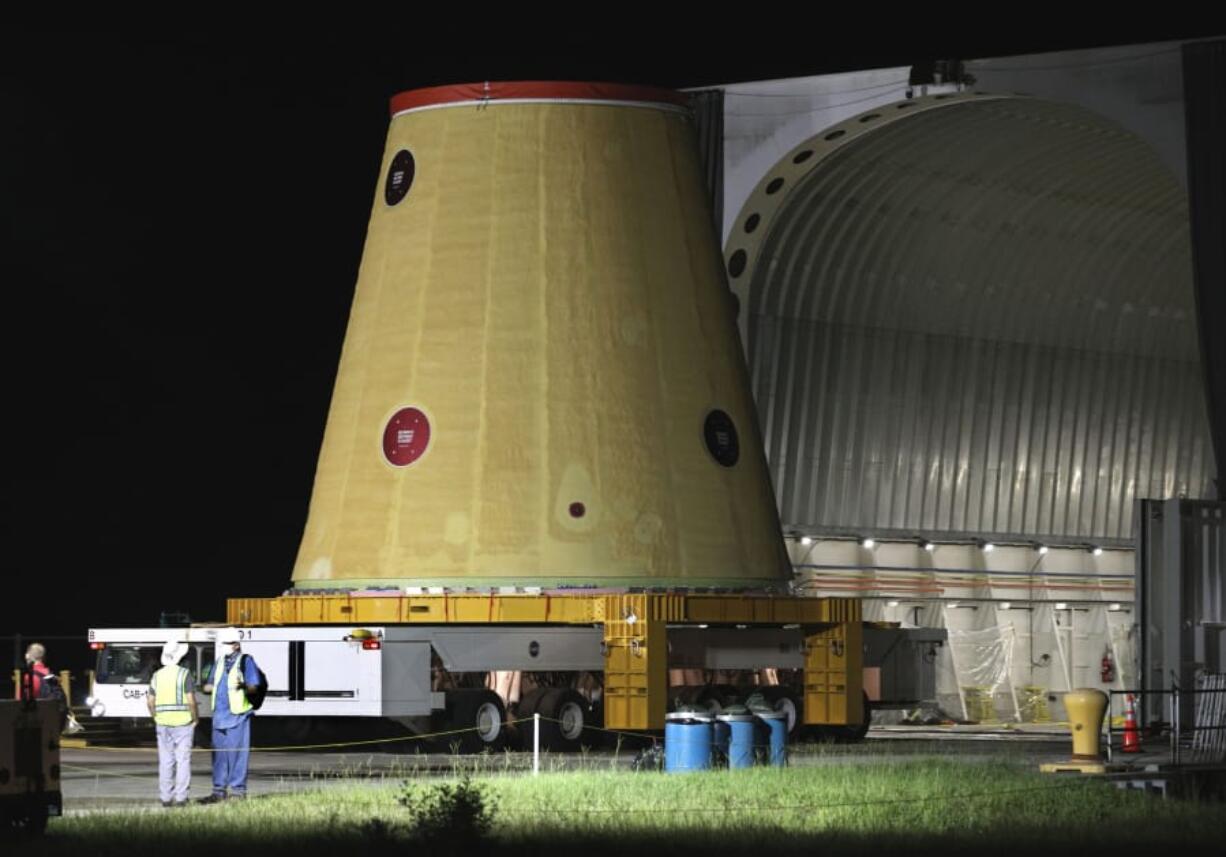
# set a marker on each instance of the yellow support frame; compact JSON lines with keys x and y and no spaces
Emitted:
{"x":636,"y":661}
{"x":635,"y":635}
{"x":834,"y":676}
{"x":543,"y":609}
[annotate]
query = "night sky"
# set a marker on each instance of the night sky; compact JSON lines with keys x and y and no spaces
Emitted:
{"x":184,"y":218}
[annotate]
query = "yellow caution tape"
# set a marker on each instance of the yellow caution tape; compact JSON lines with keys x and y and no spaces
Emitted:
{"x":363,"y":743}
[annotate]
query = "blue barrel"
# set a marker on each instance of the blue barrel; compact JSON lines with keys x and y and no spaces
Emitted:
{"x":741,"y":728}
{"x":775,"y":727}
{"x":687,"y":741}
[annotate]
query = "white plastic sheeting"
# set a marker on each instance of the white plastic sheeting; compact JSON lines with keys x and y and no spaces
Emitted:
{"x":1063,"y":609}
{"x":974,"y":673}
{"x":1019,"y":668}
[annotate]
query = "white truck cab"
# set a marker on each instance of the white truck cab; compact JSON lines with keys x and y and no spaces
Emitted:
{"x":127,"y":658}
{"x":391,"y":672}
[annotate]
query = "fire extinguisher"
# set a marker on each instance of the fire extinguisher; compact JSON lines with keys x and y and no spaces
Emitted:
{"x":1107,"y":671}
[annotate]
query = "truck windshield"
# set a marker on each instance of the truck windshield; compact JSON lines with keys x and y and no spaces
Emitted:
{"x":203,"y":655}
{"x":128,"y":664}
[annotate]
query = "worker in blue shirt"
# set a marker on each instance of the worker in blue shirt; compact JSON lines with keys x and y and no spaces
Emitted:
{"x":230,"y":681}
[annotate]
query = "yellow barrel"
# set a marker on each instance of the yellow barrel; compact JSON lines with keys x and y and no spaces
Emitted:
{"x":1034,"y":704}
{"x":541,"y":382}
{"x":1085,"y":707}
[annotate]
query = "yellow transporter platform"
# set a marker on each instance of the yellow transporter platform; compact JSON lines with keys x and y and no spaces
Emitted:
{"x":541,"y":387}
{"x":635,"y":628}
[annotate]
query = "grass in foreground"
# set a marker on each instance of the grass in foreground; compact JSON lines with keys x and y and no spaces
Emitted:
{"x":909,"y":806}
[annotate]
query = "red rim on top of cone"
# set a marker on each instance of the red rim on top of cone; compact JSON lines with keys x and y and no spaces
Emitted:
{"x":491,"y":92}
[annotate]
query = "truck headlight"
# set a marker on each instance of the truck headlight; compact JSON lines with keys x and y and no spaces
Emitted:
{"x":89,"y":702}
{"x":97,"y":709}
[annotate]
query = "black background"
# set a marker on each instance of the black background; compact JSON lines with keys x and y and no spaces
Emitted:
{"x":185,"y":217}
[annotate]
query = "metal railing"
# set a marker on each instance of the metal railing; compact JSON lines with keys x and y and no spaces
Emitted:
{"x":1200,"y":741}
{"x":65,"y":679}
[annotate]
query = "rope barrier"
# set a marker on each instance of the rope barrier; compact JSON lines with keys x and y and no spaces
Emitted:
{"x":330,"y":745}
{"x":618,"y":732}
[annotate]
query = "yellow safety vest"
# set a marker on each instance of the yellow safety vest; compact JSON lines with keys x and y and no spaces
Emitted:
{"x":234,"y":688}
{"x":170,"y":697}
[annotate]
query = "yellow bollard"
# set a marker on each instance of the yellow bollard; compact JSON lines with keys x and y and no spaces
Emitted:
{"x":1085,"y":711}
{"x":1085,"y":707}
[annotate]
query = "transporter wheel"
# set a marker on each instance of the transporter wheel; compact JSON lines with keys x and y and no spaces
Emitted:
{"x":481,"y":714}
{"x":565,"y":714}
{"x":785,"y":699}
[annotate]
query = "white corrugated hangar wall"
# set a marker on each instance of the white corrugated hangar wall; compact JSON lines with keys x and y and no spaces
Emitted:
{"x":968,"y":312}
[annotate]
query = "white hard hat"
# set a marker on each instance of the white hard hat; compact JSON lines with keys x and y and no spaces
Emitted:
{"x":173,"y":652}
{"x":229,"y":635}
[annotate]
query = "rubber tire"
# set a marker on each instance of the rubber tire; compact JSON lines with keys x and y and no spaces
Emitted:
{"x":463,"y":708}
{"x":564,"y":704}
{"x":775,"y":694}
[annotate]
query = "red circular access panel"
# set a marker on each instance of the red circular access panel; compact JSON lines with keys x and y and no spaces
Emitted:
{"x":406,"y":437}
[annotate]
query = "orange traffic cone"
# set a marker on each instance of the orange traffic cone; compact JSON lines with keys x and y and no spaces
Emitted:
{"x":1132,"y":736}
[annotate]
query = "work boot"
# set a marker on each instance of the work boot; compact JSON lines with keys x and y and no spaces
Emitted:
{"x":167,"y":804}
{"x":213,"y":798}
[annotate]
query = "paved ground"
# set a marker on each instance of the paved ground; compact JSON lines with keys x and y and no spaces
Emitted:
{"x":95,"y":779}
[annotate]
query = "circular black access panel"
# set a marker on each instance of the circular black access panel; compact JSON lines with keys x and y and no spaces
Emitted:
{"x":721,"y":437}
{"x":399,"y":177}
{"x":736,"y":265}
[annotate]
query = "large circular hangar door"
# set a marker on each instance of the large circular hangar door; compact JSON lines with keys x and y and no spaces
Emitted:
{"x":972,"y":313}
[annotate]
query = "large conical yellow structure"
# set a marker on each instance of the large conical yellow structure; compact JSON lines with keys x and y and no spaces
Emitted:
{"x":541,"y":383}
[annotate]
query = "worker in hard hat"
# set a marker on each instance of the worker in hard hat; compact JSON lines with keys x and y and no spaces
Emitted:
{"x":233,"y":677}
{"x":172,"y":705}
